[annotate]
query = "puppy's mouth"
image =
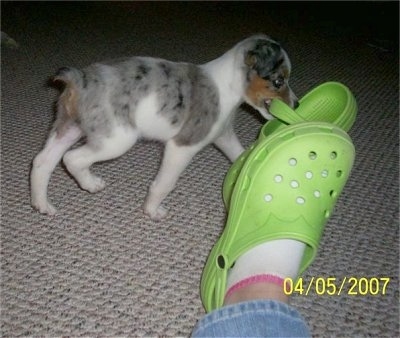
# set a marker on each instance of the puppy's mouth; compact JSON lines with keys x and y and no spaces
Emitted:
{"x":265,"y":110}
{"x":267,"y":103}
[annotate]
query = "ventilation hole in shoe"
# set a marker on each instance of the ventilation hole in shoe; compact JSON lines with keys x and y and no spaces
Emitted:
{"x":327,"y":214}
{"x":317,"y":194}
{"x":300,"y":200}
{"x":292,"y":162}
{"x":339,"y":173}
{"x":309,"y":175}
{"x":268,"y":198}
{"x":294,"y":184}
{"x":278,"y":178}
{"x":221,"y":262}
{"x":333,"y":193}
{"x":333,"y":155}
{"x":324,"y":173}
{"x":312,"y":155}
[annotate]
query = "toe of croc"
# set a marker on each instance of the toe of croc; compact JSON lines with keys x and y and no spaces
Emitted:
{"x":330,"y":102}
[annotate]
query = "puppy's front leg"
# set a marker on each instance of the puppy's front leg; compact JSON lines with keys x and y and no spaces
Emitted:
{"x":176,"y":159}
{"x":229,"y":144}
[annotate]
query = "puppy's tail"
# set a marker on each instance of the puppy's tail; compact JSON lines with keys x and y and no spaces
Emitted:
{"x":68,"y":102}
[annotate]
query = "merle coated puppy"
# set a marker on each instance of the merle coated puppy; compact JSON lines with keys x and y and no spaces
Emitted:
{"x":187,"y":106}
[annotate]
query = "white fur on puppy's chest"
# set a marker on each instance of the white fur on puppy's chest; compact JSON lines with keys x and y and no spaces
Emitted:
{"x":150,"y":123}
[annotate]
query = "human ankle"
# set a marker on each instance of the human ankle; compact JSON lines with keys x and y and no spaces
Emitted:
{"x":257,"y":291}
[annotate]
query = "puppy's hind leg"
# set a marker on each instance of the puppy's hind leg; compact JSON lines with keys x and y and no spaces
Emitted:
{"x":176,"y":159}
{"x":44,"y":163}
{"x":79,"y":160}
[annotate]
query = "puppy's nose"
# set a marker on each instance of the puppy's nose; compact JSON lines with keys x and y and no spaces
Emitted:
{"x":296,"y":104}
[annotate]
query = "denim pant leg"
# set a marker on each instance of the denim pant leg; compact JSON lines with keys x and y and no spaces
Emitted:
{"x":260,"y":318}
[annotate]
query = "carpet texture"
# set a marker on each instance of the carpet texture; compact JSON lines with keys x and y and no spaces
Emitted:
{"x":102,"y":268}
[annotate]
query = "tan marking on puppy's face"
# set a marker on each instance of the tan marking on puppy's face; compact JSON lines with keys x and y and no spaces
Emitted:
{"x":260,"y":90}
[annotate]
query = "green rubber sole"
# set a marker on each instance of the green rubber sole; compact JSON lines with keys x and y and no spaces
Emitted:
{"x":286,"y":189}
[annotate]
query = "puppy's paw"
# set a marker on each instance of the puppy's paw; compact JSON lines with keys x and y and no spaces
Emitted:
{"x":44,"y":208}
{"x":156,"y":214}
{"x":93,"y":184}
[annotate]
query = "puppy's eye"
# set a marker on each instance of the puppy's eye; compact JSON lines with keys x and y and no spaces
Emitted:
{"x":278,"y":83}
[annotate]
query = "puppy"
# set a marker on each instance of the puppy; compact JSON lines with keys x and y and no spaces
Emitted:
{"x":187,"y":106}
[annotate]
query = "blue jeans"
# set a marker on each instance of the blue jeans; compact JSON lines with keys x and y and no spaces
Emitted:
{"x":260,"y":318}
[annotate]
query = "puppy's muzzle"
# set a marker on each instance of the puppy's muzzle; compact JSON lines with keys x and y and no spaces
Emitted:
{"x":293,"y":103}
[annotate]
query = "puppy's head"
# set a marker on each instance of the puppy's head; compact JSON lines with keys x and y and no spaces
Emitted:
{"x":267,"y":75}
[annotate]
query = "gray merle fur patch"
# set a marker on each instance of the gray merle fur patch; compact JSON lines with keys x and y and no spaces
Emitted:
{"x":187,"y":98}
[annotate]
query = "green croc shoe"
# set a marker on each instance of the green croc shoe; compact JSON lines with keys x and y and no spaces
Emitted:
{"x":287,"y":189}
{"x":329,"y":102}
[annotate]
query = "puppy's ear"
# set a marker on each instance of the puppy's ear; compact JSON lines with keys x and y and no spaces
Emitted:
{"x":250,"y":59}
{"x":263,"y":56}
